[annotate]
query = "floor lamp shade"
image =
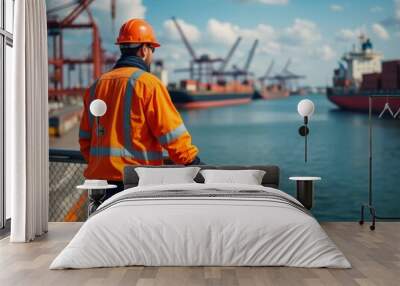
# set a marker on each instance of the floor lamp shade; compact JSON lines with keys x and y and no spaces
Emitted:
{"x":98,"y":107}
{"x":305,"y":108}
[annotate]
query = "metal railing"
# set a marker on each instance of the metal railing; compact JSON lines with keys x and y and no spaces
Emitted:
{"x":66,"y":202}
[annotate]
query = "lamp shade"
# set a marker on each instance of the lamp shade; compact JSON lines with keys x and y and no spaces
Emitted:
{"x":98,"y":107}
{"x":305,"y":107}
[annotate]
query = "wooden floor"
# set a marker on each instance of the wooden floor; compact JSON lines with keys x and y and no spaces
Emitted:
{"x":374,"y":255}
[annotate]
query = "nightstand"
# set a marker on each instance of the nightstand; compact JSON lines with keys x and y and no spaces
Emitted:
{"x":304,"y":191}
{"x":96,"y":195}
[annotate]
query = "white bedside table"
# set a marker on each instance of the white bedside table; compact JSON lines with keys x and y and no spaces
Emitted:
{"x":96,"y":195}
{"x":304,"y":190}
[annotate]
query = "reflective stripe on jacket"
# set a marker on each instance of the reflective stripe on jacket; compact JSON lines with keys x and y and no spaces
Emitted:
{"x":140,"y":121}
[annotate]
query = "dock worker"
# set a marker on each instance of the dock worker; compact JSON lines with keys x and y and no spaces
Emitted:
{"x":140,"y":119}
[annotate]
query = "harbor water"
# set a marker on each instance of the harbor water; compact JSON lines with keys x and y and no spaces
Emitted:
{"x":266,"y":132}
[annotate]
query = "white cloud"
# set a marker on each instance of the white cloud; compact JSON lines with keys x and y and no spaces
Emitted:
{"x":269,"y":2}
{"x":223,"y":32}
{"x":272,"y":41}
{"x":302,"y":32}
{"x":125,"y":9}
{"x":191,"y":32}
{"x":226,"y":32}
{"x":380,"y":31}
{"x":376,"y":9}
{"x":326,"y":53}
{"x":336,"y":8}
{"x":397,"y":9}
{"x":349,"y":35}
{"x":393,"y":21}
{"x":274,"y":2}
{"x":302,"y":41}
{"x":271,"y":48}
{"x":346,"y":35}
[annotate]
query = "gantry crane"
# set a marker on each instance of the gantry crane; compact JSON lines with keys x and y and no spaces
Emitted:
{"x":266,"y":76}
{"x":286,"y":78}
{"x":198,"y":66}
{"x":236,"y":72}
{"x":220,"y":72}
{"x":96,"y":59}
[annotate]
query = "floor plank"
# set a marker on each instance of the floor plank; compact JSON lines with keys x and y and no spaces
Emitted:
{"x":374,"y":255}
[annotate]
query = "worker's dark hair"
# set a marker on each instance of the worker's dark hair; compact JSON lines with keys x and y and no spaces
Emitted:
{"x":129,"y":51}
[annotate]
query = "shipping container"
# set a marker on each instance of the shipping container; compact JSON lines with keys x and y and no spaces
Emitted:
{"x":390,"y":84}
{"x":371,"y":81}
{"x":390,"y":68}
{"x":190,"y":85}
{"x":391,"y":75}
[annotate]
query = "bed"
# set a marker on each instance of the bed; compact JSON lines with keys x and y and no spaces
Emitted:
{"x":197,"y":224}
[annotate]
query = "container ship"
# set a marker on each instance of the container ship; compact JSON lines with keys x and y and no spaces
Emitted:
{"x":192,"y":94}
{"x":272,"y":91}
{"x":366,"y":74}
{"x":207,"y":86}
{"x":277,"y":86}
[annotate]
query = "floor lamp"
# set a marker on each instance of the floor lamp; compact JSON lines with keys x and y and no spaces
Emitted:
{"x":305,"y":108}
{"x":96,"y":188}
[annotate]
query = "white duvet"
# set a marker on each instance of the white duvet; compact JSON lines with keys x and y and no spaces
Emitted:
{"x":200,"y":231}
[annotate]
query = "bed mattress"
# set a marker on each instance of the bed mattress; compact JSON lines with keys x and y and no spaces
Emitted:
{"x":201,"y":225}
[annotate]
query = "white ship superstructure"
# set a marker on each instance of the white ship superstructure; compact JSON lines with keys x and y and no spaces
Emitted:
{"x":362,"y":61}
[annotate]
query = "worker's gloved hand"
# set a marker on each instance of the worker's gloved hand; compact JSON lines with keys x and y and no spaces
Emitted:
{"x":196,"y":161}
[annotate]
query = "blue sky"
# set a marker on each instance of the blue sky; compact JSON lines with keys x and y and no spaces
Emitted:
{"x":313,"y":34}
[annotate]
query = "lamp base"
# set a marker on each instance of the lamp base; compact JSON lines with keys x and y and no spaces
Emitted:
{"x":303,"y":130}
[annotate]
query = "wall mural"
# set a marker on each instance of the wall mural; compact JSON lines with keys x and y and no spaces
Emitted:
{"x":236,"y":71}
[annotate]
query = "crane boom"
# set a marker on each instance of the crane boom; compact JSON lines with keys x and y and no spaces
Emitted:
{"x":113,"y":14}
{"x":268,"y":72}
{"x":229,"y":56}
{"x":271,"y":65}
{"x":250,"y":57}
{"x":61,"y":7}
{"x":288,"y":62}
{"x":71,"y":17}
{"x":184,"y":39}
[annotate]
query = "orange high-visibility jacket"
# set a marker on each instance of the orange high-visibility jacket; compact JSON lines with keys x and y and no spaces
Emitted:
{"x":140,"y":121}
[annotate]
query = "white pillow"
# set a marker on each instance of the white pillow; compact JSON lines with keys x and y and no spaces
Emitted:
{"x":248,"y":177}
{"x":164,"y":176}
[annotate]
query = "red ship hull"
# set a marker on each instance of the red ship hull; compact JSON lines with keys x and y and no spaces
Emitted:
{"x":274,"y":92}
{"x":193,"y":95}
{"x":212,"y":103}
{"x":360,"y":102}
{"x":194,"y":100}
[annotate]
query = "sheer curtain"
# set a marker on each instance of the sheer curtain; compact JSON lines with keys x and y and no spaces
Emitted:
{"x":27,"y":124}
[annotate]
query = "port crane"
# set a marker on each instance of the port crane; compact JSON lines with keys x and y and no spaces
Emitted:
{"x":288,"y":74}
{"x":266,"y":76}
{"x":59,"y":64}
{"x":199,"y":66}
{"x":63,"y":114}
{"x":285,"y":74}
{"x":236,"y":72}
{"x":286,"y":78}
{"x":224,"y":64}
